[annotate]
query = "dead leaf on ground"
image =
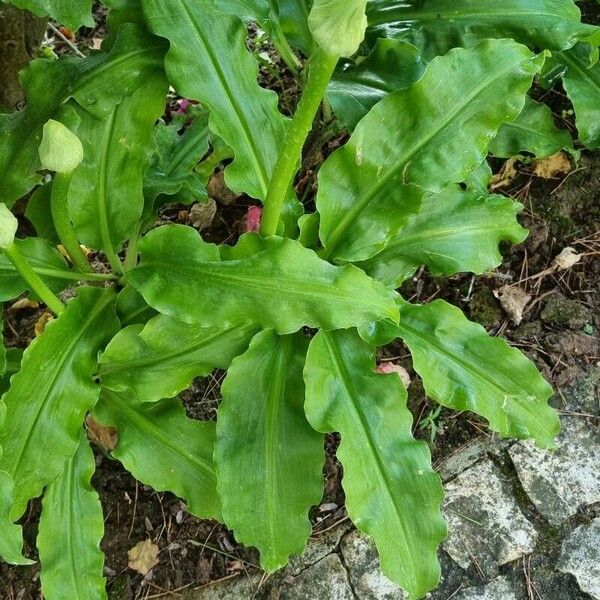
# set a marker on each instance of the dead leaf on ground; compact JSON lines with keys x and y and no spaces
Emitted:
{"x":218,"y":189}
{"x":513,"y":300}
{"x":507,"y":174}
{"x":23,"y":304}
{"x":203,"y":214}
{"x":143,"y":557}
{"x":40,"y":324}
{"x":553,"y":166}
{"x":107,"y":437}
{"x":567,"y":258}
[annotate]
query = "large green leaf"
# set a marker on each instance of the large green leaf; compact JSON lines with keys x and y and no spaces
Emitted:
{"x":581,"y":80}
{"x":392,"y":493}
{"x":45,"y":260}
{"x":11,"y":537}
{"x":2,"y":350}
{"x":106,"y":196}
{"x":47,"y":400}
{"x":293,"y":18}
{"x":209,"y":61}
{"x":275,"y":282}
{"x":71,"y":528}
{"x":414,"y":136}
{"x":269,"y":460}
{"x":436,"y":26}
{"x":356,"y":87}
{"x":455,"y":231}
{"x":464,"y":368}
{"x":12,"y":365}
{"x":72,"y":13}
{"x":162,"y":448}
{"x":90,"y":81}
{"x":162,"y":358}
{"x":533,"y":131}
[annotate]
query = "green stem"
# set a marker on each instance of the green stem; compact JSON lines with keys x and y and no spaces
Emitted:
{"x":321,"y":69}
{"x":62,"y":221}
{"x":33,"y":279}
{"x":131,"y":254}
{"x":285,"y":50}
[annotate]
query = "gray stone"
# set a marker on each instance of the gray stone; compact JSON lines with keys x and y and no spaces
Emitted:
{"x":326,"y":580}
{"x":561,"y":482}
{"x":244,"y":587}
{"x":499,"y":589}
{"x":581,"y":557}
{"x":317,"y":549}
{"x":364,"y":570}
{"x":486,"y":526}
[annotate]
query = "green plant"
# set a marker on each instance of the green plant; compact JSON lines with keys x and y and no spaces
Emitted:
{"x":408,"y":188}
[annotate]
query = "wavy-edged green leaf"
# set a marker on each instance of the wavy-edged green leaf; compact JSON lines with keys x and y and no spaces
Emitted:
{"x":171,"y":177}
{"x":45,"y":260}
{"x":455,"y":231}
{"x":581,"y":80}
{"x":162,"y":358}
{"x":12,"y":365}
{"x":269,"y":460}
{"x":162,"y":448}
{"x":464,"y":368}
{"x":2,"y":350}
{"x":480,"y":179}
{"x":357,"y":86}
{"x":106,"y":196}
{"x":392,"y":493}
{"x":132,"y":308}
{"x":71,"y":528}
{"x":11,"y":537}
{"x":50,"y":83}
{"x":275,"y":282}
{"x":247,"y":10}
{"x":72,"y":13}
{"x":533,"y":131}
{"x":38,"y":214}
{"x":208,"y":61}
{"x":49,"y":397}
{"x":414,"y":136}
{"x":436,"y":26}
{"x":293,"y":18}
{"x":338,"y":26}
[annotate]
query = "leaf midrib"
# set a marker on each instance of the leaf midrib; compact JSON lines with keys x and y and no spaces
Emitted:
{"x":351,"y":393}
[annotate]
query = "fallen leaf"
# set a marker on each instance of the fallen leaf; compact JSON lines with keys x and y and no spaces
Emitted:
{"x":40,"y":324}
{"x":203,"y":214}
{"x":507,"y":174}
{"x":552,"y":167}
{"x":390,"y":367}
{"x":566,"y":259}
{"x":24,"y":303}
{"x":513,"y":300}
{"x":143,"y":557}
{"x":218,"y":189}
{"x":107,"y":437}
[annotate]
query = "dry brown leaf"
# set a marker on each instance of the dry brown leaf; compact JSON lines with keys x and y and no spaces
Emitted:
{"x":24,"y":303}
{"x":507,"y":174}
{"x":552,"y":167}
{"x":107,"y":437}
{"x":143,"y":557}
{"x":513,"y":301}
{"x":218,"y":190}
{"x":40,"y":324}
{"x":566,"y":259}
{"x":203,"y":214}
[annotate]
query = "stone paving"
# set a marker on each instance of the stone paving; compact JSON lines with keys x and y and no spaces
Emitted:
{"x":523,"y":525}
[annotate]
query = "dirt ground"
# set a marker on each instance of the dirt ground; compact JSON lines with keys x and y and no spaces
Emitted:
{"x":559,"y":332}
